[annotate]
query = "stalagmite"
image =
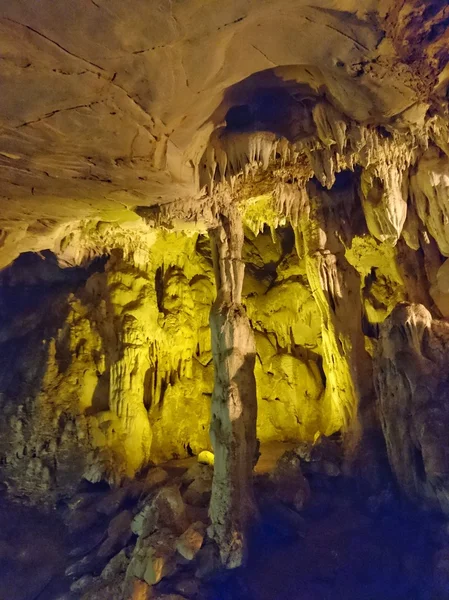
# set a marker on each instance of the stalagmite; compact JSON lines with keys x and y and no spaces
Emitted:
{"x":234,"y":403}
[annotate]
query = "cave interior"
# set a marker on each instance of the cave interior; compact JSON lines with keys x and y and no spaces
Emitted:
{"x":224,"y":300}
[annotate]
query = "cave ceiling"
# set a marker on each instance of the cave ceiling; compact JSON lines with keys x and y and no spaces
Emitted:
{"x":107,"y":105}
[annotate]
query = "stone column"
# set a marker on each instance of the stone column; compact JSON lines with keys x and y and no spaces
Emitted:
{"x":336,"y":286}
{"x":234,"y":402}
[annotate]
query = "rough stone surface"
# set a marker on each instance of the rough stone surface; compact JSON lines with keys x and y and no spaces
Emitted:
{"x":145,"y":129}
{"x":321,"y":167}
{"x":153,"y":558}
{"x":82,"y":584}
{"x":189,"y":543}
{"x":119,"y":308}
{"x":119,"y":534}
{"x":188,"y":587}
{"x":165,"y":509}
{"x":411,"y":374}
{"x":198,"y":493}
{"x":116,"y":566}
{"x":110,"y":591}
{"x":208,"y":561}
{"x":234,"y":402}
{"x":290,"y":485}
{"x":113,"y":502}
{"x":154,"y":478}
{"x":198,"y":471}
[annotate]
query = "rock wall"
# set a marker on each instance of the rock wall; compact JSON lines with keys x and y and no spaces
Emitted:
{"x":106,"y":350}
{"x":411,"y":367}
{"x":108,"y":369}
{"x":107,"y":366}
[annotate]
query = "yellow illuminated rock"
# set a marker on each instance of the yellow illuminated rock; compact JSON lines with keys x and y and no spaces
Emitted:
{"x":205,"y":457}
{"x":383,"y":286}
{"x":114,"y":181}
{"x":128,"y":375}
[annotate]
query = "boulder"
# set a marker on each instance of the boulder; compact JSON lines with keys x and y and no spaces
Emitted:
{"x":88,"y":542}
{"x":153,"y":558}
{"x":138,"y":590}
{"x":110,"y":591}
{"x":155,"y":478}
{"x":323,"y":467}
{"x":189,"y":543}
{"x":116,"y":566}
{"x":120,"y":525}
{"x":82,"y":584}
{"x":112,"y":502}
{"x":324,"y":456}
{"x":198,"y":493}
{"x":208,"y":561}
{"x":119,"y":534}
{"x":84,"y":500}
{"x":165,"y":509}
{"x":198,"y":471}
{"x":82,"y":520}
{"x":198,"y":513}
{"x":90,"y":564}
{"x":290,"y":485}
{"x":206,"y":458}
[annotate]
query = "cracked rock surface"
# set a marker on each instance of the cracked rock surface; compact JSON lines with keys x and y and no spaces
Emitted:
{"x":104,"y":108}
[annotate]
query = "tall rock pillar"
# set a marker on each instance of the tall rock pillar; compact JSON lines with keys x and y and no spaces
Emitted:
{"x":234,"y":402}
{"x":335,"y":286}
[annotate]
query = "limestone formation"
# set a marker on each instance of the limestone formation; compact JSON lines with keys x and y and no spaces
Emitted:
{"x":234,"y":402}
{"x":130,"y":334}
{"x":411,"y":378}
{"x":218,"y":220}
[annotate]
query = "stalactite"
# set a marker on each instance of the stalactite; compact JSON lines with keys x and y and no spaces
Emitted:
{"x":384,"y":201}
{"x":338,"y":144}
{"x":292,"y":202}
{"x":234,"y":403}
{"x":230,"y":153}
{"x":331,"y":126}
{"x":430,"y":193}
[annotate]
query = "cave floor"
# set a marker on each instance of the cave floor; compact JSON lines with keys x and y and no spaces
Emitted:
{"x":33,"y":553}
{"x":344,"y":545}
{"x":345,"y":549}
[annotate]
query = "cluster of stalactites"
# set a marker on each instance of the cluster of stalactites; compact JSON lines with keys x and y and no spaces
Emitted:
{"x":230,"y":154}
{"x":383,"y":155}
{"x":342,"y":144}
{"x":292,"y":202}
{"x":337,"y":144}
{"x":403,"y":175}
